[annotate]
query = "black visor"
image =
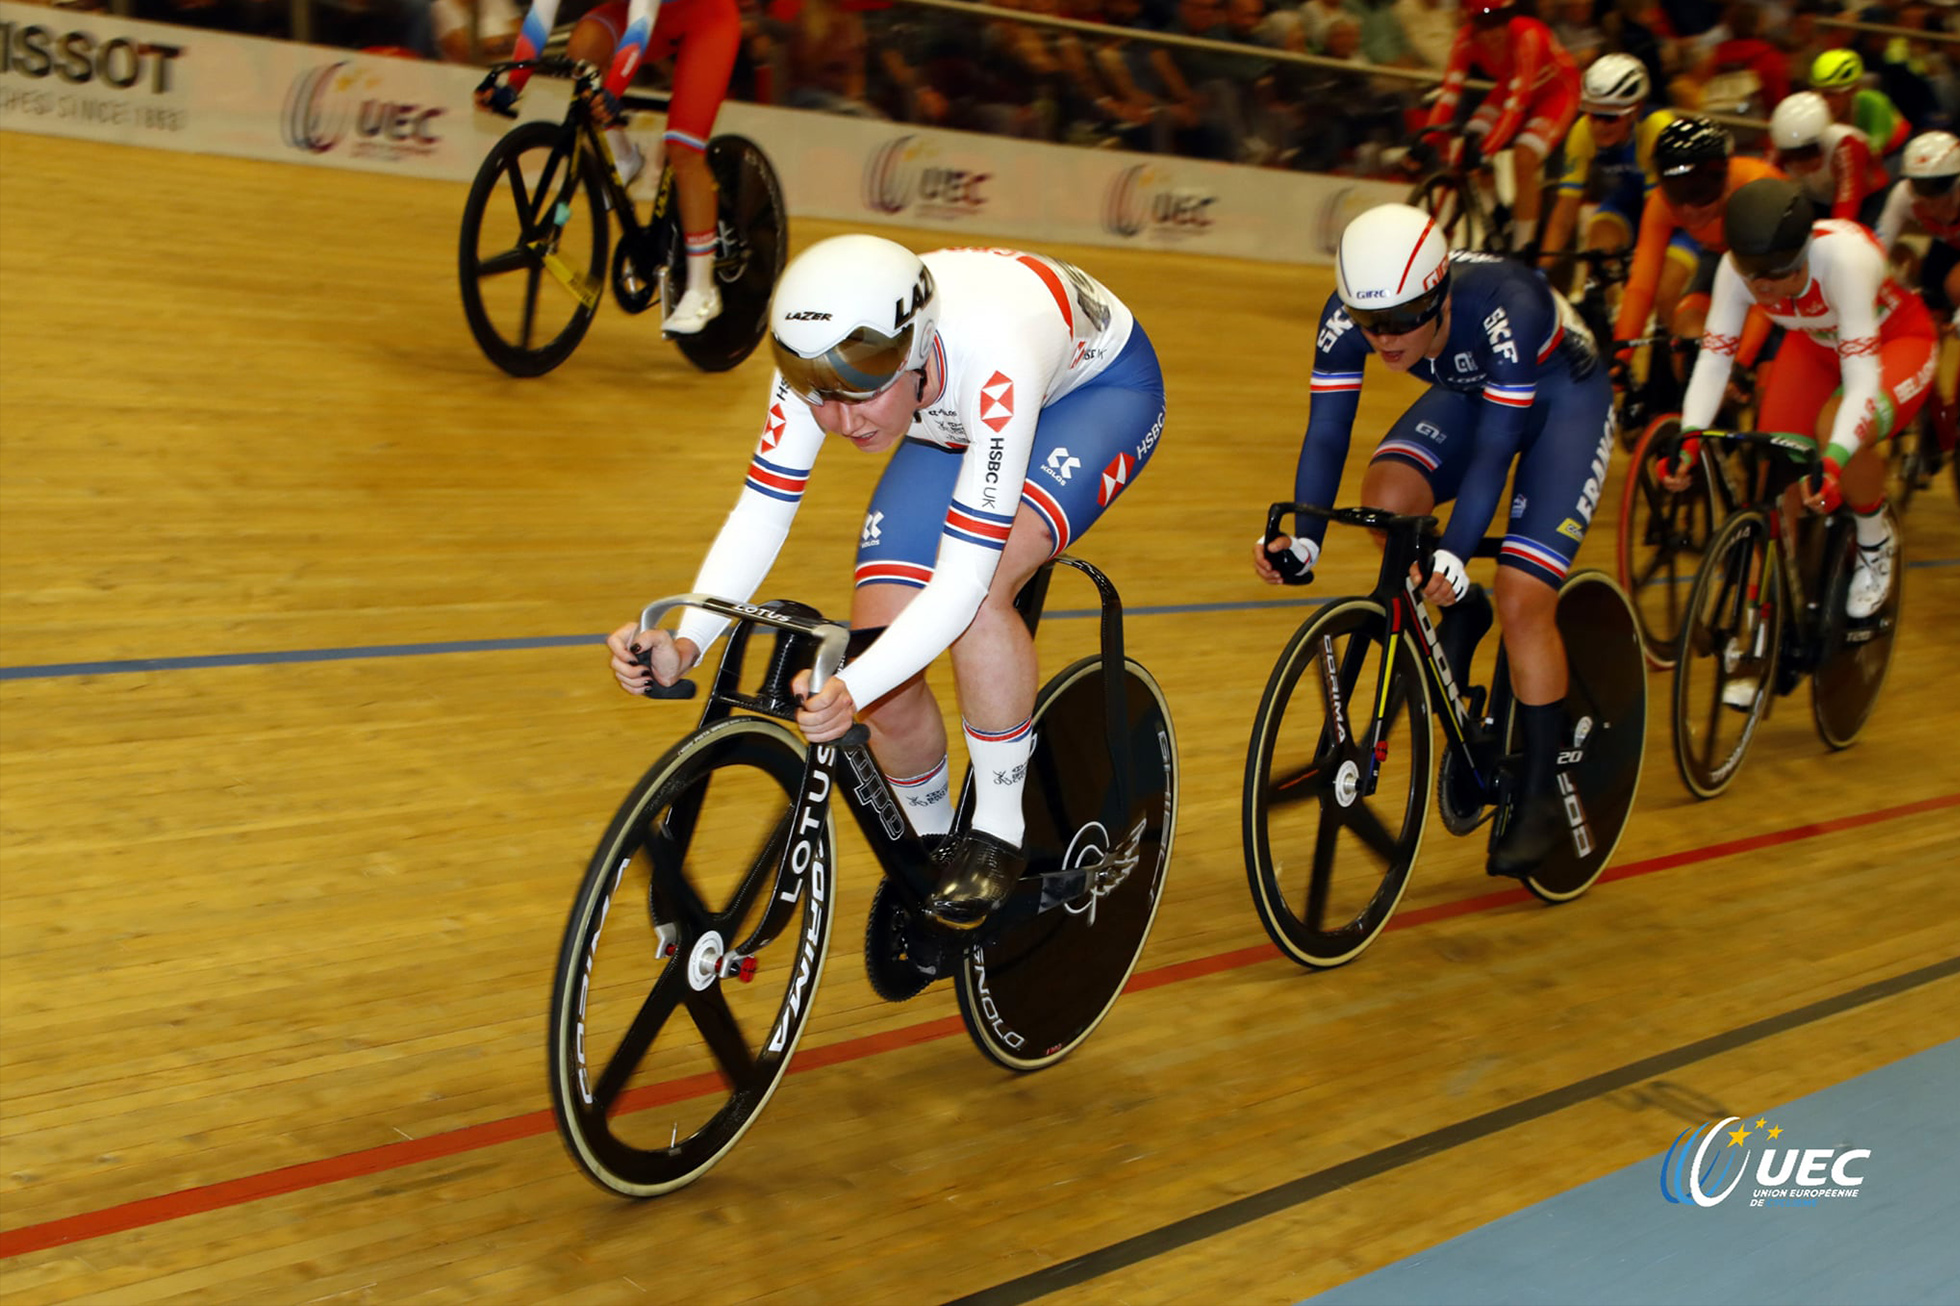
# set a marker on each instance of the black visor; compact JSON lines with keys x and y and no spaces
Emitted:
{"x":1931,"y":188}
{"x":1403,"y":318}
{"x":1698,"y":186}
{"x":856,"y":368}
{"x":1770,"y":265}
{"x":1802,"y":154}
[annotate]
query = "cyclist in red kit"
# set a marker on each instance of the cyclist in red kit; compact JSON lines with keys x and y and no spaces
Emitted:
{"x":1531,"y":109}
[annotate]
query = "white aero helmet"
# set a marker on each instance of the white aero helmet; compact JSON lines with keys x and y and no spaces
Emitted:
{"x":1799,"y":121}
{"x":851,"y":315}
{"x":1614,"y":83}
{"x":1393,"y":269}
{"x":1932,"y":162}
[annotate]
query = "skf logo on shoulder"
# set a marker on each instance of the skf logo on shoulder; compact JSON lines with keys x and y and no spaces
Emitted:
{"x":806,"y":315}
{"x":1333,"y":329}
{"x":79,"y":58}
{"x":1147,"y":197}
{"x":324,"y":103}
{"x":1498,"y":328}
{"x":908,"y":171}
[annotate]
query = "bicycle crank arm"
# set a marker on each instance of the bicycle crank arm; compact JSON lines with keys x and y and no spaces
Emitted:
{"x":584,"y":289}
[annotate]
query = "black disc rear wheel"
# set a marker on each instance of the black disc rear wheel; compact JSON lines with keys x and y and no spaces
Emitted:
{"x":531,"y":258}
{"x":1606,"y":702}
{"x":754,"y":229}
{"x":1035,"y":992}
{"x":690,"y":961}
{"x":1855,"y":655}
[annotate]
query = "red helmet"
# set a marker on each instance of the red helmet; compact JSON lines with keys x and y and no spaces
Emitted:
{"x":1489,"y":13}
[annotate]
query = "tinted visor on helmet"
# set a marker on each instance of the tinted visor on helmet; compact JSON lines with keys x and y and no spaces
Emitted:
{"x":1699,"y":186}
{"x":1402,"y":318}
{"x":1770,"y":265}
{"x":856,"y":368}
{"x":1931,"y":188}
{"x":1802,"y":155}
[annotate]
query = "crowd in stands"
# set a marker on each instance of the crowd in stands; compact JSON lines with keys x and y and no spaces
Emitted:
{"x":1095,"y":86}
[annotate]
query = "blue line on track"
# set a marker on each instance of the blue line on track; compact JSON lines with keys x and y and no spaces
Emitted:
{"x":127,"y":666}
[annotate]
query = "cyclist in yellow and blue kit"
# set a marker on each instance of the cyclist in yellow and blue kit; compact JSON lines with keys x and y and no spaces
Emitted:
{"x":1610,"y":153}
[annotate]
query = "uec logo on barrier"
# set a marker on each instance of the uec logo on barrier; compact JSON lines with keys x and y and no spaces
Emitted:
{"x":1703,"y":1170}
{"x":1147,"y":196}
{"x":324,"y":102}
{"x":908,"y":170}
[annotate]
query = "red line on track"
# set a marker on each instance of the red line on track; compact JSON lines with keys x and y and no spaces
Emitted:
{"x":390,"y":1156}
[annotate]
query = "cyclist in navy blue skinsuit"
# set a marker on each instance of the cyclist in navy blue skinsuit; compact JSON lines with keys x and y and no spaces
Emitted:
{"x":1512,"y":375}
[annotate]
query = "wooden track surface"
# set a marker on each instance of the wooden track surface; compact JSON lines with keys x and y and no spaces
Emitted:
{"x":303,"y":914}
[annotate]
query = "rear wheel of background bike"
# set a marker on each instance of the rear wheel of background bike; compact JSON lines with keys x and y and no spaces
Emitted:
{"x":531,"y":260}
{"x":1326,"y":864}
{"x":755,"y":245}
{"x":1662,"y":535}
{"x":1904,"y":469}
{"x":1732,"y":632}
{"x":661,"y":1056}
{"x":1033,"y":994}
{"x":1855,"y":655}
{"x":1442,"y":196}
{"x":1606,"y":704}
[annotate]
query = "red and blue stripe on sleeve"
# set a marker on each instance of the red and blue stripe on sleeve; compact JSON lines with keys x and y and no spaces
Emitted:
{"x":987,"y":529}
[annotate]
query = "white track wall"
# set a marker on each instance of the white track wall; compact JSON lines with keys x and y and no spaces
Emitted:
{"x":100,"y":77}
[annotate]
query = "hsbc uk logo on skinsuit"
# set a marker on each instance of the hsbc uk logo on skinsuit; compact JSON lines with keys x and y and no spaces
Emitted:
{"x":1148,"y":198}
{"x":339,"y":102}
{"x":1709,"y":1162}
{"x":912,"y":173}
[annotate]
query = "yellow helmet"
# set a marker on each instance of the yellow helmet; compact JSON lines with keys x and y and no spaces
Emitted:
{"x":1837,"y":70}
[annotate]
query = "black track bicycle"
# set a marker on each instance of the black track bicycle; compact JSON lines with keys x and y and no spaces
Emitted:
{"x":1339,"y":771}
{"x":1766,"y":611}
{"x":1453,"y":194}
{"x":698,"y":937}
{"x":536,"y":228}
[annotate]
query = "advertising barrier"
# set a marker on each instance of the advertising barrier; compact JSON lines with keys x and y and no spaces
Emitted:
{"x":128,"y":82}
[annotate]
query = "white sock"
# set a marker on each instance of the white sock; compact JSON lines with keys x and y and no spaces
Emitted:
{"x":1000,"y":768}
{"x":625,"y":154}
{"x":928,"y":799}
{"x":700,"y":258}
{"x":1873,"y":530}
{"x":1522,"y":232}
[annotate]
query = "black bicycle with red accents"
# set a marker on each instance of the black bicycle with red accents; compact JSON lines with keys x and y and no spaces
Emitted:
{"x":1339,"y":772}
{"x":697,"y":939}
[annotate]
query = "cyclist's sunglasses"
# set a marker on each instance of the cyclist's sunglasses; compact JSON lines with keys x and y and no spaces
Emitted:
{"x":1401,"y":319}
{"x":1931,"y":188}
{"x":1802,"y":154}
{"x":861,"y":366}
{"x":1770,"y":267}
{"x":1609,"y":115}
{"x":1696,"y":188}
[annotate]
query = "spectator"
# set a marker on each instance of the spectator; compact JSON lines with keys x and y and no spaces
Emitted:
{"x":827,"y":61}
{"x":1572,"y":22}
{"x":1382,"y":39}
{"x":1636,"y":27}
{"x":497,"y":22}
{"x":1197,"y":83}
{"x":1318,"y":16}
{"x":1746,"y":55}
{"x":1431,"y":27}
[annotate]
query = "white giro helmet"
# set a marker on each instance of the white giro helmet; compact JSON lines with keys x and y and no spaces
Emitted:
{"x":1933,"y":154}
{"x":1799,"y":121}
{"x":851,"y":315}
{"x":1393,"y":269}
{"x":1614,"y":83}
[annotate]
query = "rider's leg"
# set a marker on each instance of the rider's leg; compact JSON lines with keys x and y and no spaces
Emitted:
{"x":1527,"y":173}
{"x":1091,"y":445}
{"x":1560,"y":478}
{"x":593,"y":39}
{"x":701,"y":71}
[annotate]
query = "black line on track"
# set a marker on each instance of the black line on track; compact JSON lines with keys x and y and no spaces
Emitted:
{"x":1295,"y":1192}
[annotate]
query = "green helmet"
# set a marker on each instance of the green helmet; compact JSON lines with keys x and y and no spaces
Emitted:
{"x":1837,"y":70}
